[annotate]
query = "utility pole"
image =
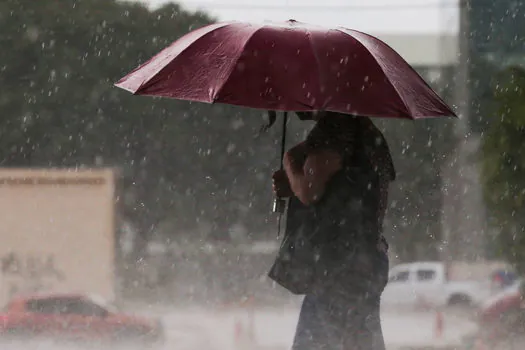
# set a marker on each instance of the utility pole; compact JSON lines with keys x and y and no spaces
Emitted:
{"x":463,"y":222}
{"x":444,"y":66}
{"x":462,"y":74}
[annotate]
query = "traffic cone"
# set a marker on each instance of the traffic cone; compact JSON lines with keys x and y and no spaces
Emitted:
{"x":480,"y":344}
{"x":238,"y":331}
{"x":241,"y":341}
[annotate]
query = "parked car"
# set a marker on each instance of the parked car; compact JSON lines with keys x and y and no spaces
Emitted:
{"x":501,"y":321}
{"x":428,"y":284}
{"x":74,"y":317}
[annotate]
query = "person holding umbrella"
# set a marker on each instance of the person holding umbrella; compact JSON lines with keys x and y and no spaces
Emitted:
{"x":337,"y":181}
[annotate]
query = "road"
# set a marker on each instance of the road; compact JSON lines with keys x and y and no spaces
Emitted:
{"x":273,"y":329}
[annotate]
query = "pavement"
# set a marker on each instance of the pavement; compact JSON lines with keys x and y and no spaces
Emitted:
{"x":273,"y":328}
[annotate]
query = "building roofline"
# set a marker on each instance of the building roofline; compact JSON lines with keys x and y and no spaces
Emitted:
{"x":424,"y":49}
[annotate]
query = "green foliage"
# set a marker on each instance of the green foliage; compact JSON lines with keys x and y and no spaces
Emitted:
{"x":504,"y":165}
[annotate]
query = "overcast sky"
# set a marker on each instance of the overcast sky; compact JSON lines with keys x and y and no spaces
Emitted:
{"x":374,"y":16}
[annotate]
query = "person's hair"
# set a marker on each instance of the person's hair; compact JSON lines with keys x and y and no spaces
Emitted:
{"x":333,"y":130}
{"x":341,"y":132}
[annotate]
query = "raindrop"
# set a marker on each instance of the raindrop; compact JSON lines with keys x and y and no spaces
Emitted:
{"x":32,"y":33}
{"x":230,"y":148}
{"x":52,"y":75}
{"x":241,"y":66}
{"x":237,"y":124}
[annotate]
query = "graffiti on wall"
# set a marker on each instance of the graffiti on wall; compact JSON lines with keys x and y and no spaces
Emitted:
{"x":29,"y":273}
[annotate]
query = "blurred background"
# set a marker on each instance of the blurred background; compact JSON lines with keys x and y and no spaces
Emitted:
{"x":190,"y":183}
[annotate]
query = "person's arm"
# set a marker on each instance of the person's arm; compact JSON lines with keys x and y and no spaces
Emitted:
{"x":309,"y":172}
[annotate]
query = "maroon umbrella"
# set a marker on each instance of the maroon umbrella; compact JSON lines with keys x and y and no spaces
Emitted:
{"x":288,"y":67}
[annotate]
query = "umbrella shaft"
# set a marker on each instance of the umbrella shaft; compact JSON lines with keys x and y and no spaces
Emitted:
{"x":279,"y":204}
{"x":283,"y":139}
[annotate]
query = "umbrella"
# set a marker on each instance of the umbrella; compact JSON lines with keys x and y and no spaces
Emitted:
{"x":288,"y":67}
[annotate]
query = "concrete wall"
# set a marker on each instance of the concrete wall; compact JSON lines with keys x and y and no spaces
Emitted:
{"x":426,"y":50}
{"x":56,"y":231}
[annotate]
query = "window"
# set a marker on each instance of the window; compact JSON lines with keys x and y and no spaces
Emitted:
{"x":401,"y":276}
{"x":426,"y":275}
{"x":47,"y":306}
{"x":86,"y":308}
{"x":76,"y":306}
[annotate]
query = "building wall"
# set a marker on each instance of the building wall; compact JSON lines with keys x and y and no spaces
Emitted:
{"x":57,"y":231}
{"x":430,"y":50}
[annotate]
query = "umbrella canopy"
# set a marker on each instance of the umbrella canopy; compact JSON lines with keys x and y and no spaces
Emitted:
{"x":288,"y":67}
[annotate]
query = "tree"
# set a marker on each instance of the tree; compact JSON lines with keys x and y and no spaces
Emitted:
{"x":504,"y":166}
{"x":60,"y":108}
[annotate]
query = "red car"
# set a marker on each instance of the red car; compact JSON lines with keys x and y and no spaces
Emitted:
{"x":74,"y":317}
{"x":502,"y":320}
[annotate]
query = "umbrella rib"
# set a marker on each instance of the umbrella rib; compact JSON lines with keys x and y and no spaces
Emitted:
{"x":232,"y":67}
{"x":380,"y":67}
{"x":432,"y":91}
{"x":146,"y":82}
{"x":322,"y":80}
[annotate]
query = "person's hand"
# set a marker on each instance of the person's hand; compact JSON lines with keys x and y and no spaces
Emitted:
{"x":281,"y":185}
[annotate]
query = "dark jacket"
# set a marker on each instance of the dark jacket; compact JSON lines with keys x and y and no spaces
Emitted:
{"x":333,"y":244}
